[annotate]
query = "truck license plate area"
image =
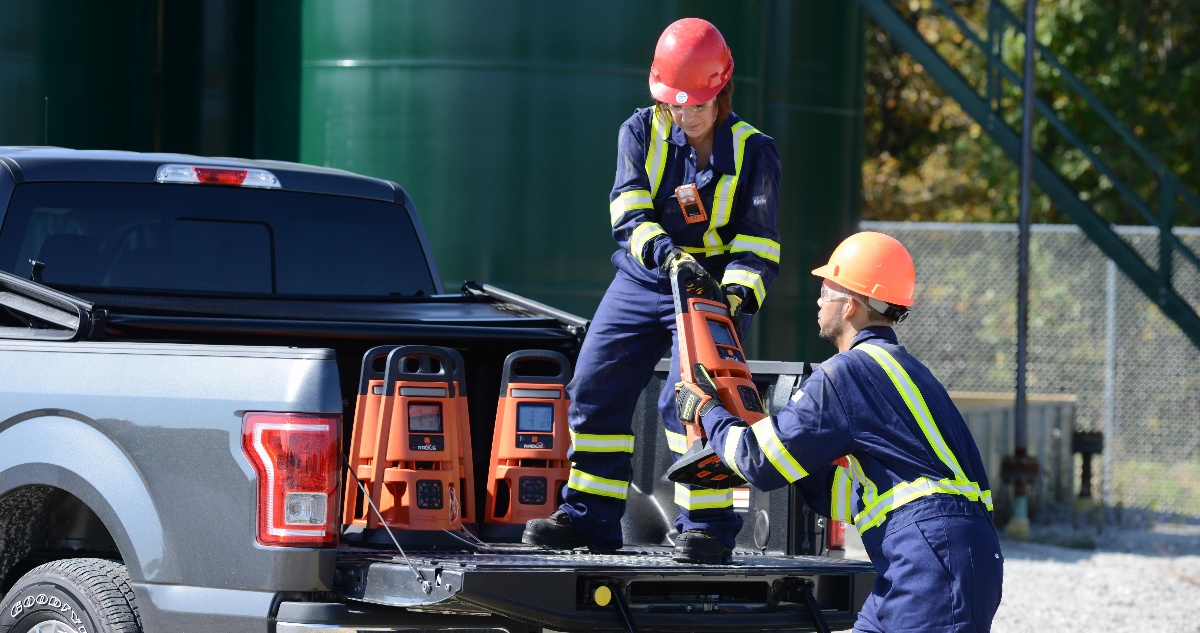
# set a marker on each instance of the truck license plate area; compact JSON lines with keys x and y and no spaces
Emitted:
{"x":699,"y":595}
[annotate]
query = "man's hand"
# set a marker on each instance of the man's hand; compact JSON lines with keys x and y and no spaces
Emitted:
{"x":694,"y":399}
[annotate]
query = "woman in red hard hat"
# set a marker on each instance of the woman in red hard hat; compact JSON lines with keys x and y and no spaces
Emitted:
{"x":915,"y":486}
{"x":688,"y":145}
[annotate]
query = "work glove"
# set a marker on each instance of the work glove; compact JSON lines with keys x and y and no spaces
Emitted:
{"x":735,"y":303}
{"x":694,"y":399}
{"x":678,"y":259}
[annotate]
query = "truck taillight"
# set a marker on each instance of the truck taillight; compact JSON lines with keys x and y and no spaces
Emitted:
{"x":835,"y":535}
{"x":297,"y":459}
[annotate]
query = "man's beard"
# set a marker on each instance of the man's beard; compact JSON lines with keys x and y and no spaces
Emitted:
{"x":831,"y":331}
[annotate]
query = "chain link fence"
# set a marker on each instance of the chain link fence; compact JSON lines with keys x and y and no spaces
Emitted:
{"x":1092,"y":335}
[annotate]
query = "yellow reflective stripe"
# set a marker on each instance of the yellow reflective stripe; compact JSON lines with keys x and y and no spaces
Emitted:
{"x":727,"y":185}
{"x":869,"y":490}
{"x":773,"y":448}
{"x":916,"y":405}
{"x":641,"y":235}
{"x":765,"y":248}
{"x":747,"y":278}
{"x":986,"y":497}
{"x":656,"y":151}
{"x":590,"y":443}
{"x":706,"y":250}
{"x":841,"y":499}
{"x":677,"y":442}
{"x":733,"y":439}
{"x":584,"y":482}
{"x":700,"y":499}
{"x":628,"y":201}
{"x":907,"y":492}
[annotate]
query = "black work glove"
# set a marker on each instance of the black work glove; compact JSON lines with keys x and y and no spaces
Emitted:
{"x":678,"y":259}
{"x":694,"y":399}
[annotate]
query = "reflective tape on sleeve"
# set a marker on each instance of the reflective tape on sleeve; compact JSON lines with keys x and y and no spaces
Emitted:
{"x":642,"y":235}
{"x":773,"y":448}
{"x":626,"y":202}
{"x":677,"y":442}
{"x":761,"y":246}
{"x":733,"y":439}
{"x":747,"y":278}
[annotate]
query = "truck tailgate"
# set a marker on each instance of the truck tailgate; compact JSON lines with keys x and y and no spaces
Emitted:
{"x":558,"y":590}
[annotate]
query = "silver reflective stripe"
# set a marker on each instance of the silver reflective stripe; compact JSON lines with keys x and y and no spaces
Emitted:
{"x":916,"y":405}
{"x":699,"y":499}
{"x":841,"y":495}
{"x":428,"y":392}
{"x":677,"y":442}
{"x":776,"y":452}
{"x":907,"y":492}
{"x":656,"y":151}
{"x":535,"y":393}
{"x":628,"y":201}
{"x":584,"y":482}
{"x":589,"y":443}
{"x":733,"y":439}
{"x":727,"y":185}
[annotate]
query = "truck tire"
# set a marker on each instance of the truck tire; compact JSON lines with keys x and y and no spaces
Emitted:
{"x":72,"y":595}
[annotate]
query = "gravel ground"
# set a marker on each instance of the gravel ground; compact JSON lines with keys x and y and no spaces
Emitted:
{"x":1120,"y":579}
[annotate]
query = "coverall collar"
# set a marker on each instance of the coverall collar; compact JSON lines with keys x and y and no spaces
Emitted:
{"x":722,"y":149}
{"x":883,"y":332}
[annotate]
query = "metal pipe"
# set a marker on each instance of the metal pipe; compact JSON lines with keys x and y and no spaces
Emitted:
{"x":1027,"y":114}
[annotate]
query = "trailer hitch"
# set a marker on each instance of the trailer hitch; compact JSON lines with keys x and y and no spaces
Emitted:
{"x":799,"y":590}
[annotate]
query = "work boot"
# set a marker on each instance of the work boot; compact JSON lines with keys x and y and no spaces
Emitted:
{"x":555,"y":532}
{"x":700,"y":546}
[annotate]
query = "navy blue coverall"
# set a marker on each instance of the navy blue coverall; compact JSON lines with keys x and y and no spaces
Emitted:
{"x":634,"y":325}
{"x":915,"y":488}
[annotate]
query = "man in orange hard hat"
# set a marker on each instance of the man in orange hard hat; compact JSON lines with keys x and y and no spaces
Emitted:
{"x":912,"y":480}
{"x":696,"y":187}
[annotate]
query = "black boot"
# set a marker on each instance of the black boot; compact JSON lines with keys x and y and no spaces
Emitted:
{"x":699,"y":546}
{"x":555,"y":532}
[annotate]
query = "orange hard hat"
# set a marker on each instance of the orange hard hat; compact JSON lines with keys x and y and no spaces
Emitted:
{"x":691,"y":63}
{"x":875,"y":265}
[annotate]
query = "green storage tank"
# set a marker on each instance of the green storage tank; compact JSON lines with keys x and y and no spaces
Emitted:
{"x":500,"y":120}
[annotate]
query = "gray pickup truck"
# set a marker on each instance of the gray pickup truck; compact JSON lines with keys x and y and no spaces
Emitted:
{"x":158,"y":312}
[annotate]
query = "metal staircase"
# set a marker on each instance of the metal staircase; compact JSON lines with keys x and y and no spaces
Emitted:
{"x":982,"y":99}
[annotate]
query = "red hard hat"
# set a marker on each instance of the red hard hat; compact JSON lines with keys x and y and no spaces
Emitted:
{"x":691,"y":63}
{"x":875,"y":265}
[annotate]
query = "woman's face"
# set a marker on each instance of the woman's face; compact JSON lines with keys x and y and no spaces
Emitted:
{"x":697,"y":122}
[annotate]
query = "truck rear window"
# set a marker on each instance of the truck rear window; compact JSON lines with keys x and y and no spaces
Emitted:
{"x":212,"y":240}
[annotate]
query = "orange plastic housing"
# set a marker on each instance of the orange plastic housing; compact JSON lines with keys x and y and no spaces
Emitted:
{"x":411,"y":458}
{"x":529,"y":465}
{"x":707,"y":336}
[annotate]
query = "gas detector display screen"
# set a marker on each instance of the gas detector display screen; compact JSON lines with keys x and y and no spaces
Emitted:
{"x":424,"y":417}
{"x":535,"y":418}
{"x":721,"y":334}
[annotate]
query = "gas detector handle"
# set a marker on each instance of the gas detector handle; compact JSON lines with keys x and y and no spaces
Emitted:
{"x":522,"y":359}
{"x":419,"y":363}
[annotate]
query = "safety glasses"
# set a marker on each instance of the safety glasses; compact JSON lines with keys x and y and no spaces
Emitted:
{"x":678,"y":110}
{"x":829,"y":295}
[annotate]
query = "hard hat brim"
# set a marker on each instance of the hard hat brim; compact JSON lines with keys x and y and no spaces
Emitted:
{"x":669,"y":95}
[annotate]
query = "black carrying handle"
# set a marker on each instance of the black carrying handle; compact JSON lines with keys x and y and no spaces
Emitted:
{"x":433,"y":364}
{"x":511,"y":369}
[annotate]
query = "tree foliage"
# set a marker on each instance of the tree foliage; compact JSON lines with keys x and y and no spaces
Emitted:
{"x":926,"y":159}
